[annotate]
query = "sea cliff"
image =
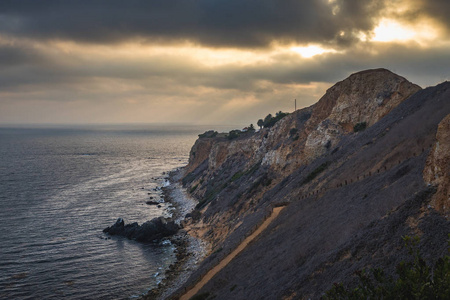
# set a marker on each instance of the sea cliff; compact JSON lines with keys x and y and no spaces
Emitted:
{"x":357,"y":171}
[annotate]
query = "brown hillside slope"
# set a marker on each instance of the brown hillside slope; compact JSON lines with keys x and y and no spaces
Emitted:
{"x":368,"y":191}
{"x":264,"y":159}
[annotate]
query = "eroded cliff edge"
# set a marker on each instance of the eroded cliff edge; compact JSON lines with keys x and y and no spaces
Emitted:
{"x":350,"y":195}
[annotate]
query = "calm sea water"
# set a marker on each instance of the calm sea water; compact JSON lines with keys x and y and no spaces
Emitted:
{"x":60,"y":187}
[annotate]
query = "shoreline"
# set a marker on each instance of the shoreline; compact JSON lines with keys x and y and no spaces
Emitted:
{"x":190,"y":251}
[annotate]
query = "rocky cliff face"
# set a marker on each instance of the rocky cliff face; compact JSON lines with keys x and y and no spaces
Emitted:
{"x":343,"y":188}
{"x":298,"y":138}
{"x":437,"y":170}
{"x":363,"y":98}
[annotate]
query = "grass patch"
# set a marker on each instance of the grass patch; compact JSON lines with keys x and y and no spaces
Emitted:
{"x":316,"y":172}
{"x":249,"y":171}
{"x":210,"y":195}
{"x":415,"y":280}
{"x":237,"y":175}
{"x":193,"y":188}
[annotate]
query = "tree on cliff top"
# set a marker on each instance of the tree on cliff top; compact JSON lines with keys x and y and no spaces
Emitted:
{"x":260,"y":123}
{"x":269,"y":120}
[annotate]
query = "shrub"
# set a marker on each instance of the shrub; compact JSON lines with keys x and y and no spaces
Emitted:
{"x":233,"y":134}
{"x":249,"y":171}
{"x":269,"y":121}
{"x":416,"y":280}
{"x":237,"y":175}
{"x":193,"y":188}
{"x":293,"y":131}
{"x":208,"y":134}
{"x":316,"y":172}
{"x":359,"y":126}
{"x":196,"y":215}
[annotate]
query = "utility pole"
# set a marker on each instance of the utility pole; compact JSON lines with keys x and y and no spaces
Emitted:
{"x":295,"y":104}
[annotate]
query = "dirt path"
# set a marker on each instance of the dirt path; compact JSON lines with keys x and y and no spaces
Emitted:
{"x":232,"y":255}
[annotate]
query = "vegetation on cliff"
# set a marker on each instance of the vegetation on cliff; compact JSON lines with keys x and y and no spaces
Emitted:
{"x":269,"y":120}
{"x":415,"y":279}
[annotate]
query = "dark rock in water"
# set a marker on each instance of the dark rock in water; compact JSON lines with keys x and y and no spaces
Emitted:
{"x":155,"y":229}
{"x":152,"y":202}
{"x":159,"y":206}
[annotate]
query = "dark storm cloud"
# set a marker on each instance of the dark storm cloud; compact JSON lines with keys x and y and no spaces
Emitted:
{"x":436,"y":9}
{"x":15,"y":56}
{"x":221,"y":23}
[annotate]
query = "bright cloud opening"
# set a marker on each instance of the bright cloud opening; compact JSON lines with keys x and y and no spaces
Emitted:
{"x":311,"y":51}
{"x":390,"y":30}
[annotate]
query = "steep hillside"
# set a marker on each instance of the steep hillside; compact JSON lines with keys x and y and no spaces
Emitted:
{"x":350,"y":195}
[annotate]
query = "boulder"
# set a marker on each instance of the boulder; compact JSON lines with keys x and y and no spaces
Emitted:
{"x":150,"y":231}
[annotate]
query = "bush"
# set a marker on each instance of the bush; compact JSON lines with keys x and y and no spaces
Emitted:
{"x":269,"y":121}
{"x":416,"y":280}
{"x":193,"y":188}
{"x":249,"y":171}
{"x":360,"y":126}
{"x":196,"y":215}
{"x":293,"y":131}
{"x":233,"y":134}
{"x":316,"y":172}
{"x":237,"y":175}
{"x":208,"y":134}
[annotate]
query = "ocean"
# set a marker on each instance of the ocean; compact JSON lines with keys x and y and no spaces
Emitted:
{"x":60,"y":187}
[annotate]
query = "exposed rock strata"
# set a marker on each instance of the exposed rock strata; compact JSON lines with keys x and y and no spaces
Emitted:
{"x":363,"y":97}
{"x":351,"y":196}
{"x":437,"y":169}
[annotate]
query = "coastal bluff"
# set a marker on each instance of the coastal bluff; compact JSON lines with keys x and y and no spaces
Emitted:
{"x":356,"y":172}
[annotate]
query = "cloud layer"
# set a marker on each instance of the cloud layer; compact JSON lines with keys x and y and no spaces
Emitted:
{"x":219,"y":23}
{"x":200,"y":61}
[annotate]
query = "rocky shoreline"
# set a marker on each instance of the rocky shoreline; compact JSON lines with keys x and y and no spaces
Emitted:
{"x":190,"y":251}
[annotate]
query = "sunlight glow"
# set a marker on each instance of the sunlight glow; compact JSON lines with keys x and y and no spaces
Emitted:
{"x":390,"y":30}
{"x":311,"y":51}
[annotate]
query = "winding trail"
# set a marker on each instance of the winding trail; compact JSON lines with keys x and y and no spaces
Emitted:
{"x":190,"y":293}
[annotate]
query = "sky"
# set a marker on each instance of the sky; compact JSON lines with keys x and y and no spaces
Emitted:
{"x":204,"y":61}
